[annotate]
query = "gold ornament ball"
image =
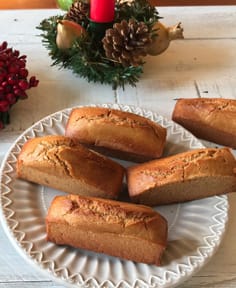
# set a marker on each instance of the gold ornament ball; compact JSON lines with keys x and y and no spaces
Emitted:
{"x":164,"y":36}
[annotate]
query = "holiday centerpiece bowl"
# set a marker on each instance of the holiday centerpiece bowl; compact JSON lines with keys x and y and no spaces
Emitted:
{"x":106,"y":41}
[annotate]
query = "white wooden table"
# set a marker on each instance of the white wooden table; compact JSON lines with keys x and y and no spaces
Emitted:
{"x":201,"y":65}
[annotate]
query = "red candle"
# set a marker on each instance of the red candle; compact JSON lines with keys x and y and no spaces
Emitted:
{"x":102,"y":11}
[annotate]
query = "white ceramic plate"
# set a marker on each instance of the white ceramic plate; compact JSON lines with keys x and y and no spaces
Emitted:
{"x":195,"y":228}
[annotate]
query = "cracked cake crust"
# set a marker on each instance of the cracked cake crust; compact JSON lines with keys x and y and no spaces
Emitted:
{"x":117,"y":133}
{"x":62,"y":163}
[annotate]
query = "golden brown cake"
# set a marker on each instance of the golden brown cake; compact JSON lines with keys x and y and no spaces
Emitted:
{"x":117,"y":133}
{"x":63,"y":164}
{"x":208,"y":118}
{"x":183,"y":177}
{"x":120,"y":229}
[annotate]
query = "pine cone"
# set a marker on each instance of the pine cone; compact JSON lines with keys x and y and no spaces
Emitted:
{"x":127,"y":42}
{"x":79,"y":12}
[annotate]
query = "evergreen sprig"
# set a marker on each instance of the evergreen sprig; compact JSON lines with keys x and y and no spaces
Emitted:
{"x":140,"y":10}
{"x":86,"y":57}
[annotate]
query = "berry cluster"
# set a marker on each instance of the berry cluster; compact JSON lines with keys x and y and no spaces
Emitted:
{"x":13,"y":80}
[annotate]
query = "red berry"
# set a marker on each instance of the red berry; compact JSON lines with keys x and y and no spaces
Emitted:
{"x":3,"y":72}
{"x":23,"y":95}
{"x":20,"y":93}
{"x":9,"y":51}
{"x":16,"y":53}
{"x":2,"y":63}
{"x":17,"y":92}
{"x":22,"y":57}
{"x":23,"y":84}
{"x":13,"y":79}
{"x":33,"y":81}
{"x":11,"y":98}
{"x":1,"y":93}
{"x":21,"y":63}
{"x":4,"y":106}
{"x":8,"y":89}
{"x":3,"y":57}
{"x":1,"y":79}
{"x":4,"y":84}
{"x":23,"y":72}
{"x":3,"y":45}
{"x":14,"y":68}
{"x":15,"y":87}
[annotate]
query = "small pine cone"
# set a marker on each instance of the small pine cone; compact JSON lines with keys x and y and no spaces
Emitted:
{"x":127,"y":42}
{"x":79,"y":12}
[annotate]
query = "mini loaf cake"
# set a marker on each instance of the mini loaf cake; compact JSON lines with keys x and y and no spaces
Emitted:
{"x":120,"y":229}
{"x":63,"y":164}
{"x":183,"y":177}
{"x":117,"y":133}
{"x":208,"y":118}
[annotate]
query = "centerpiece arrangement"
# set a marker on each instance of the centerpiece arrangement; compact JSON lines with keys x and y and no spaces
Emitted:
{"x":106,"y":41}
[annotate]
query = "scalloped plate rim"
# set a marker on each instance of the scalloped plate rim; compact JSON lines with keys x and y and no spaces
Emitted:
{"x":172,"y":280}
